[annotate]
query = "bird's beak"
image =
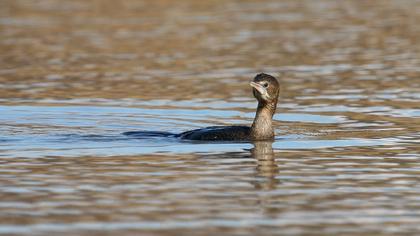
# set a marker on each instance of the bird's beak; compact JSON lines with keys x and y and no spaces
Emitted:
{"x":259,"y":88}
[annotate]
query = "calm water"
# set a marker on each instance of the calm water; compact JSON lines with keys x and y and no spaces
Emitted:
{"x":74,"y":75}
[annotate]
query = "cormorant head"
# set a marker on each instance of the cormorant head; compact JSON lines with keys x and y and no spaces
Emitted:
{"x":265,"y":88}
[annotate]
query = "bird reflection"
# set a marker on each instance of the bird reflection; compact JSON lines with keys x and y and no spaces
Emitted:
{"x":267,"y":169}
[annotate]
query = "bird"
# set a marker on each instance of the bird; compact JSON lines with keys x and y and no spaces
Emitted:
{"x":265,"y":89}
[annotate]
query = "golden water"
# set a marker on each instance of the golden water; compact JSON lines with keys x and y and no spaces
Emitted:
{"x":74,"y":75}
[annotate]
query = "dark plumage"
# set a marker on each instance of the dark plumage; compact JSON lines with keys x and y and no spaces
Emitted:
{"x":218,"y":133}
{"x":266,"y":91}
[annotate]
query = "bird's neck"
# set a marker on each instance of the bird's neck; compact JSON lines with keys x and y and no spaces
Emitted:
{"x":262,"y":127}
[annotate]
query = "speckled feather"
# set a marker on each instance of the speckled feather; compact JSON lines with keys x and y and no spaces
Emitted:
{"x":222,"y":133}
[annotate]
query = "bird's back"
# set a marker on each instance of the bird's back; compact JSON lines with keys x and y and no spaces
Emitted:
{"x":218,"y":133}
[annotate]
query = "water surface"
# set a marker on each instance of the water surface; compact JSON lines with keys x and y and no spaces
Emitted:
{"x":75,"y":75}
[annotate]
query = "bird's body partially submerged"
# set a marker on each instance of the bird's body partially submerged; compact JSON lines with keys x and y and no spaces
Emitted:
{"x":266,"y":91}
{"x":218,"y":133}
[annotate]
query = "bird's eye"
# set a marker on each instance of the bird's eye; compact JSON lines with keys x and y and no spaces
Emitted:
{"x":265,"y":85}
